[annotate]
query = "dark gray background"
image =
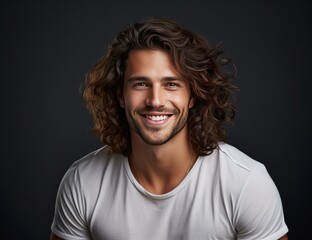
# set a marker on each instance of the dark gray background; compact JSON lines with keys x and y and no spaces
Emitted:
{"x":47,"y":48}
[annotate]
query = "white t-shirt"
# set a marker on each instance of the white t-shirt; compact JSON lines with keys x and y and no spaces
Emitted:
{"x":225,"y":196}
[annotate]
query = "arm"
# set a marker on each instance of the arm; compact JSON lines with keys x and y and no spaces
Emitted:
{"x":54,"y":237}
{"x":69,"y":218}
{"x":260,"y":211}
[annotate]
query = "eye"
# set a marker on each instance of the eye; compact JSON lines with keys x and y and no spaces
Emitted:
{"x":140,"y":85}
{"x":172,"y":85}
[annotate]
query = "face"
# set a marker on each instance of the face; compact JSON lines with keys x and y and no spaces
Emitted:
{"x":155,"y":97}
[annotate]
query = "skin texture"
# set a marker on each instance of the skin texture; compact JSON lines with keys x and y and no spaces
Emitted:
{"x":156,"y":100}
{"x":155,"y":97}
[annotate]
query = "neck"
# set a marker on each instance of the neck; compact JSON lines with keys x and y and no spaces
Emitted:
{"x":159,"y":169}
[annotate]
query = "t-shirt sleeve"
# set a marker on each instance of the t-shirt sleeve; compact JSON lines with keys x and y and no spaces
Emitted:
{"x":69,"y":218}
{"x":259,"y":212}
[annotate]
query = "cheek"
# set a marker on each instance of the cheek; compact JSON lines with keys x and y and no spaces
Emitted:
{"x":181,"y":100}
{"x":133,"y":100}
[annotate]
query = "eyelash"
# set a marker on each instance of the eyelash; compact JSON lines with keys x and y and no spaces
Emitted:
{"x":140,"y":84}
{"x":172,"y":84}
{"x":145,"y":85}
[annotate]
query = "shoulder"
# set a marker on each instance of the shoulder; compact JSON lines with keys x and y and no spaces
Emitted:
{"x":77,"y":193}
{"x":232,"y":156}
{"x":242,"y":174}
{"x":87,"y":174}
{"x":83,"y":182}
{"x":235,"y":172}
{"x":240,"y":168}
{"x":255,"y":201}
{"x":96,"y":161}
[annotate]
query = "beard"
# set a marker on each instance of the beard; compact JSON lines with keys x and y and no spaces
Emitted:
{"x":158,"y":136}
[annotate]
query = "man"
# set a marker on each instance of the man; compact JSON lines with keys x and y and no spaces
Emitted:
{"x":159,"y":99}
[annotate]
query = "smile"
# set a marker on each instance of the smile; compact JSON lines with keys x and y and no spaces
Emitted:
{"x":157,"y":118}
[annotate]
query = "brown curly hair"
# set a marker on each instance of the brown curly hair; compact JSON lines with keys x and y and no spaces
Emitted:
{"x":195,"y":59}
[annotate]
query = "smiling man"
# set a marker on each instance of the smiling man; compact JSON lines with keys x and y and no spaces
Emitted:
{"x":159,"y":99}
{"x":158,"y":94}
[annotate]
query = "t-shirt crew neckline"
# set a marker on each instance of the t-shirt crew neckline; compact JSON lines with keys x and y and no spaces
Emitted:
{"x":164,"y":196}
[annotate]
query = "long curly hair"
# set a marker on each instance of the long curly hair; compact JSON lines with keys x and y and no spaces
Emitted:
{"x":195,"y":59}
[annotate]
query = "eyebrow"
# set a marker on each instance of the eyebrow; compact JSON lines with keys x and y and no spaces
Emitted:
{"x":143,"y":78}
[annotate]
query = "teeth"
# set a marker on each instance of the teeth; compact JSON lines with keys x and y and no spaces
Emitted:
{"x":157,"y":118}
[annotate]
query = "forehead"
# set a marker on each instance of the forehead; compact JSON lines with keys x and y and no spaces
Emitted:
{"x":149,"y":60}
{"x":145,"y":54}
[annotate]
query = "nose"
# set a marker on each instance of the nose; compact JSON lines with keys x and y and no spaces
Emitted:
{"x":155,"y":97}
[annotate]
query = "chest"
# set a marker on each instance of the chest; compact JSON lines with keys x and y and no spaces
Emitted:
{"x":189,"y":214}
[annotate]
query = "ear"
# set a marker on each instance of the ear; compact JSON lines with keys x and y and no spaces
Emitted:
{"x":191,"y":102}
{"x":122,"y":103}
{"x":121,"y":99}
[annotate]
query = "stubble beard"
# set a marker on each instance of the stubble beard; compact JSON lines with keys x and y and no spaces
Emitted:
{"x":157,"y":138}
